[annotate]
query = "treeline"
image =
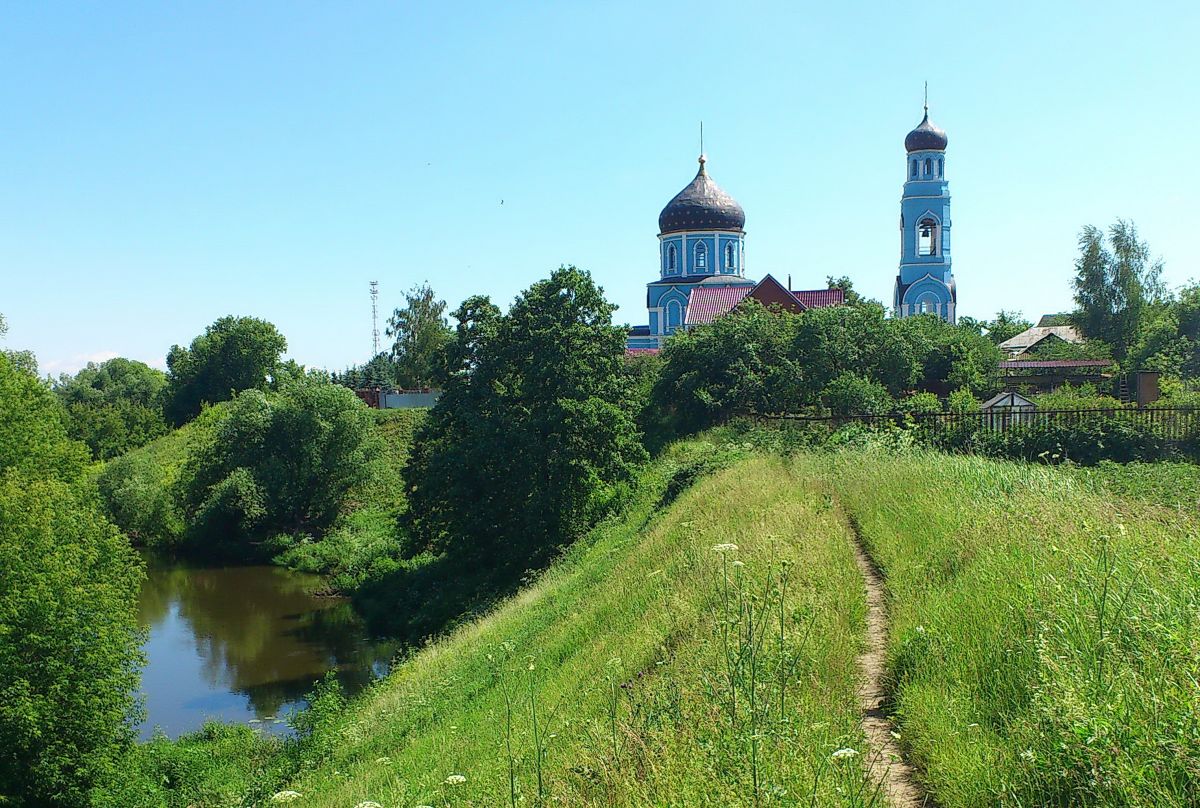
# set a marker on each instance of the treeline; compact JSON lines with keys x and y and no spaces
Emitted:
{"x":69,"y":639}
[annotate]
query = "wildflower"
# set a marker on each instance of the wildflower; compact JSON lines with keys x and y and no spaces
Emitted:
{"x":1028,"y":755}
{"x":285,"y":796}
{"x":844,"y":753}
{"x":725,"y":548}
{"x":455,"y":780}
{"x":739,"y":563}
{"x":384,"y":759}
{"x":368,"y":804}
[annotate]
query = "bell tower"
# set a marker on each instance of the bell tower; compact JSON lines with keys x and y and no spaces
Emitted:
{"x":925,"y":284}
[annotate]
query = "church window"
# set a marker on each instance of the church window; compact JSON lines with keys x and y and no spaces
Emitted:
{"x":729,"y":264}
{"x":939,"y":166}
{"x":671,"y":258}
{"x":701,"y":255}
{"x":914,"y":169}
{"x":928,"y":164}
{"x":927,"y":237}
{"x":674,"y":316}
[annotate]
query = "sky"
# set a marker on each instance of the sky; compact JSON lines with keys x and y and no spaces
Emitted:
{"x":165,"y":164}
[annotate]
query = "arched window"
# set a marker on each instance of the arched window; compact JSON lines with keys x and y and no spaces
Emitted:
{"x":927,"y":232}
{"x":914,"y":169}
{"x":674,"y":316}
{"x":928,"y":166}
{"x":729,"y":257}
{"x":701,"y":255}
{"x":671,"y":258}
{"x":940,"y":166}
{"x":925,"y":307}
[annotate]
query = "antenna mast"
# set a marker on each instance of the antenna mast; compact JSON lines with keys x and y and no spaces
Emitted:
{"x":374,"y":319}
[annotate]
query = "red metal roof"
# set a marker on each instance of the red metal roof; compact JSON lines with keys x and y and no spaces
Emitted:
{"x":707,"y":303}
{"x":821,"y":298}
{"x":1015,"y":364}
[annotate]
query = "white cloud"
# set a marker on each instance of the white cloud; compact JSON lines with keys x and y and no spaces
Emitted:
{"x":74,"y":363}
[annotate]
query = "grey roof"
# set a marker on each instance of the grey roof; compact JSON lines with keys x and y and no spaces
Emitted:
{"x":1032,"y":336}
{"x":926,"y":136}
{"x":1007,"y":400}
{"x":702,"y":205}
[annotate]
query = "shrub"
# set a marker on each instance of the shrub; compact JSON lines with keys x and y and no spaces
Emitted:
{"x":850,"y":394}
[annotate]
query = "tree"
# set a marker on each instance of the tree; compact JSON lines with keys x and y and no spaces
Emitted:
{"x":233,"y":354}
{"x":69,"y":641}
{"x":1005,"y":326}
{"x":420,"y":335}
{"x":276,"y":463}
{"x":852,"y":297}
{"x":850,"y":394}
{"x":1115,"y":280}
{"x":533,"y":437}
{"x":114,"y":406}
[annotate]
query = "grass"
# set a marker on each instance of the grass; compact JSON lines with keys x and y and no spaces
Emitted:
{"x":1171,"y":485}
{"x":644,"y":668}
{"x":1044,"y":633}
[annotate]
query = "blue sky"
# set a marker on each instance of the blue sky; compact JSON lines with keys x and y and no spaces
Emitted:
{"x":165,"y":164}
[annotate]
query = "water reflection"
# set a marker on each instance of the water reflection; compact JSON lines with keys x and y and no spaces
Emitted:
{"x":244,"y":644}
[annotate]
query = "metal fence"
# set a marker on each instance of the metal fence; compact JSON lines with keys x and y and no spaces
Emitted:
{"x":1172,"y":424}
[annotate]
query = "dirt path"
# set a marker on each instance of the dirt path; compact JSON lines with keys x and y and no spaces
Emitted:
{"x":894,"y":776}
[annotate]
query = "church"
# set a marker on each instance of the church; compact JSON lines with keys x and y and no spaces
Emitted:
{"x":702,"y":252}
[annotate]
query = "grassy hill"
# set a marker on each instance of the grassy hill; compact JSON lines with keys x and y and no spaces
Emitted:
{"x":701,"y":649}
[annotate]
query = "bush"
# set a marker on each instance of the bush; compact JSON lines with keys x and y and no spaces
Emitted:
{"x":850,"y":394}
{"x":277,"y":463}
{"x":921,"y":404}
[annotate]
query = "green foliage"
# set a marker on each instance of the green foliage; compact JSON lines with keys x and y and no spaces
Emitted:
{"x":141,"y":491}
{"x":277,"y":463}
{"x":421,"y":336}
{"x":849,"y":394}
{"x":114,"y":406}
{"x":233,"y":354}
{"x":1042,"y":638}
{"x":531,"y":441}
{"x":69,"y":642}
{"x":1115,"y":280}
{"x":851,"y":295}
{"x":1005,"y":326}
{"x":922,"y":404}
{"x":961,"y":401}
{"x":221,"y":764}
{"x":1081,"y":397}
{"x":753,"y":360}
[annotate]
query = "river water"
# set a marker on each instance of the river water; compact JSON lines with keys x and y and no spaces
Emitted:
{"x":243,"y":645}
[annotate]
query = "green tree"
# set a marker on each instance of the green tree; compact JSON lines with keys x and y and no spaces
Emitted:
{"x":233,"y":354}
{"x":1005,"y":326}
{"x":1115,"y":280}
{"x":69,"y":641}
{"x":276,"y":463}
{"x":114,"y":406}
{"x":533,"y":436}
{"x":420,"y":335}
{"x":852,"y":297}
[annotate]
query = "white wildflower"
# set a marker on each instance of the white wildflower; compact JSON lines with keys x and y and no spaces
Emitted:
{"x":739,"y":564}
{"x":368,"y":804}
{"x":384,"y":759}
{"x":455,"y":780}
{"x":725,"y":548}
{"x":285,"y":796}
{"x":844,"y":753}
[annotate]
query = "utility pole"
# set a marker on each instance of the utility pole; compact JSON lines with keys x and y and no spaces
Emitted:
{"x":374,"y":319}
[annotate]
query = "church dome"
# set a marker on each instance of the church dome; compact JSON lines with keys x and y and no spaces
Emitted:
{"x":702,"y":205}
{"x":926,"y":137}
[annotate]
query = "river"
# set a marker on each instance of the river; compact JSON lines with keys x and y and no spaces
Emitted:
{"x":243,"y":645}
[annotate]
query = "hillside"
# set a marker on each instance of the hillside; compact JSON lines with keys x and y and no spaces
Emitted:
{"x":1036,"y":654}
{"x":707,"y":645}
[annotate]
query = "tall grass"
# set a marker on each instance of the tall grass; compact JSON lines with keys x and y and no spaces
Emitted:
{"x":596,"y":684}
{"x":1044,"y":646}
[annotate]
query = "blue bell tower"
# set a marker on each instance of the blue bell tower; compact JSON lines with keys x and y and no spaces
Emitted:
{"x":925,"y":284}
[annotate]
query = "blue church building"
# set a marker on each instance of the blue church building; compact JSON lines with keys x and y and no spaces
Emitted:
{"x":702,"y":251}
{"x":925,"y":284}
